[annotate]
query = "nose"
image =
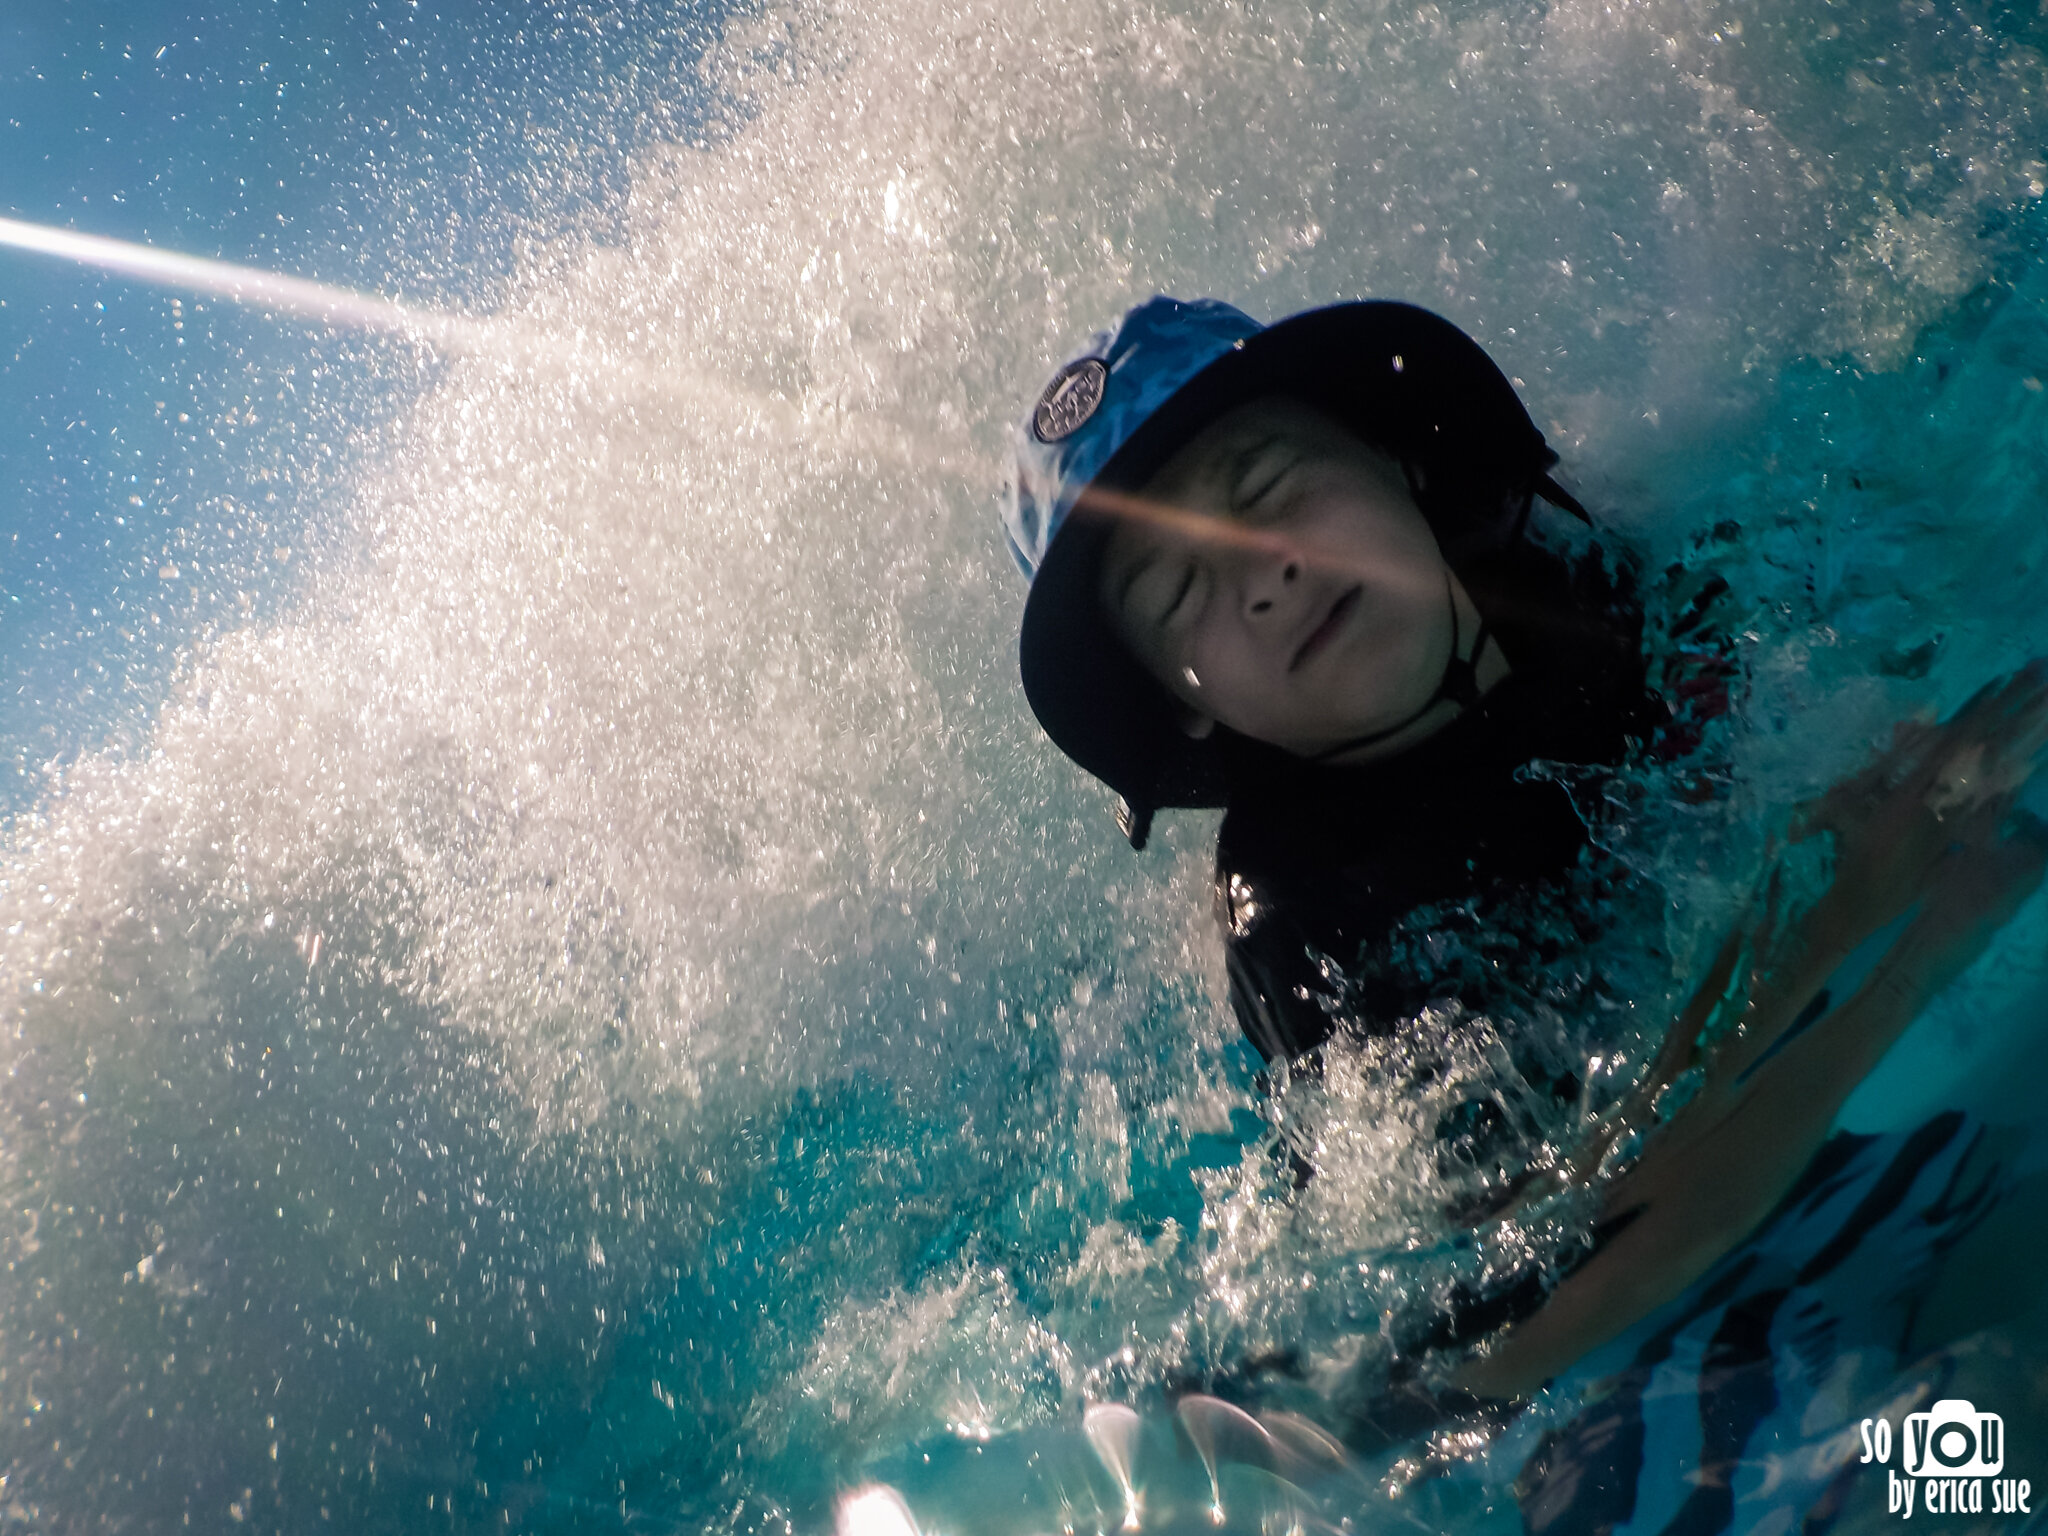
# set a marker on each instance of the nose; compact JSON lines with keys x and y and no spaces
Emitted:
{"x":1270,"y":580}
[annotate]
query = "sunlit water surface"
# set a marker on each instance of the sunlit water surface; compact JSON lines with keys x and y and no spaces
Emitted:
{"x":603,"y":1013}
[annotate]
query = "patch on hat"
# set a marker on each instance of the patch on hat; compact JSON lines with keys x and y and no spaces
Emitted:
{"x":1069,"y":400}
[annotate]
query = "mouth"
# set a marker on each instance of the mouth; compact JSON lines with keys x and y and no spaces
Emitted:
{"x":1325,"y":632}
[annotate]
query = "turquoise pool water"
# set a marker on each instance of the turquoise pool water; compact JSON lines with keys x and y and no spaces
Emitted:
{"x":551,"y":984}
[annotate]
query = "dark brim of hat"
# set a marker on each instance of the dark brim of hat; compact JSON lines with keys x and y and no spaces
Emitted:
{"x":1398,"y":376}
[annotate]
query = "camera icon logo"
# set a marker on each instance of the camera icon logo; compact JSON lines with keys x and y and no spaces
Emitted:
{"x":1952,"y":1439}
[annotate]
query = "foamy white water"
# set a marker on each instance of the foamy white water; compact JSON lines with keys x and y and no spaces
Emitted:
{"x":608,"y":998}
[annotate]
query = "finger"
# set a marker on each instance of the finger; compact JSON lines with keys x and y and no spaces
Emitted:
{"x":1970,"y":832}
{"x":2007,"y":719}
{"x":1978,"y":891}
{"x":2014,"y":704}
{"x":2012,"y":709}
{"x":1993,"y":838}
{"x":1914,"y":746}
{"x":2000,"y":754}
{"x":2025,"y":732}
{"x":1912,"y":730}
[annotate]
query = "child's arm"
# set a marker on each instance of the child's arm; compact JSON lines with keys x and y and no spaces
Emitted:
{"x":1930,"y":862}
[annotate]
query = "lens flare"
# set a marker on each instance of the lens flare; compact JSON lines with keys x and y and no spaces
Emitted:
{"x":510,"y":341}
{"x":1113,"y":1430}
{"x":324,"y":302}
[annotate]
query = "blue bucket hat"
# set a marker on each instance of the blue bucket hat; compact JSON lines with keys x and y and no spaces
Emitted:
{"x":1400,"y":377}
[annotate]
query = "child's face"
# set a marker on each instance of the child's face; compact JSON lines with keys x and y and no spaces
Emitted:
{"x":1277,"y":577}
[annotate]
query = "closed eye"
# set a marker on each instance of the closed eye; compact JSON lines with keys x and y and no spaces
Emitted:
{"x":1263,"y":478}
{"x":1187,"y":585}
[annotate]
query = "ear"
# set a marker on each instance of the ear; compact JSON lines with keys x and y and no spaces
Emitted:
{"x":1195,"y":725}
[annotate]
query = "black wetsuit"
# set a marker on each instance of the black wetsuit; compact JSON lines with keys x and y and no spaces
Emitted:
{"x":1319,"y":869}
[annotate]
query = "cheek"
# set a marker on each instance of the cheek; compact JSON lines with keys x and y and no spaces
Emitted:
{"x":1393,"y":642}
{"x":1389,"y":546}
{"x":1231,"y":687}
{"x":1239,"y":689}
{"x":1387,"y":670}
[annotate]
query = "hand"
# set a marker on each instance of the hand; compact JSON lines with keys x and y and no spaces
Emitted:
{"x":1969,"y":898}
{"x":1930,"y":823}
{"x":1938,"y":791}
{"x":1707,"y":1178}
